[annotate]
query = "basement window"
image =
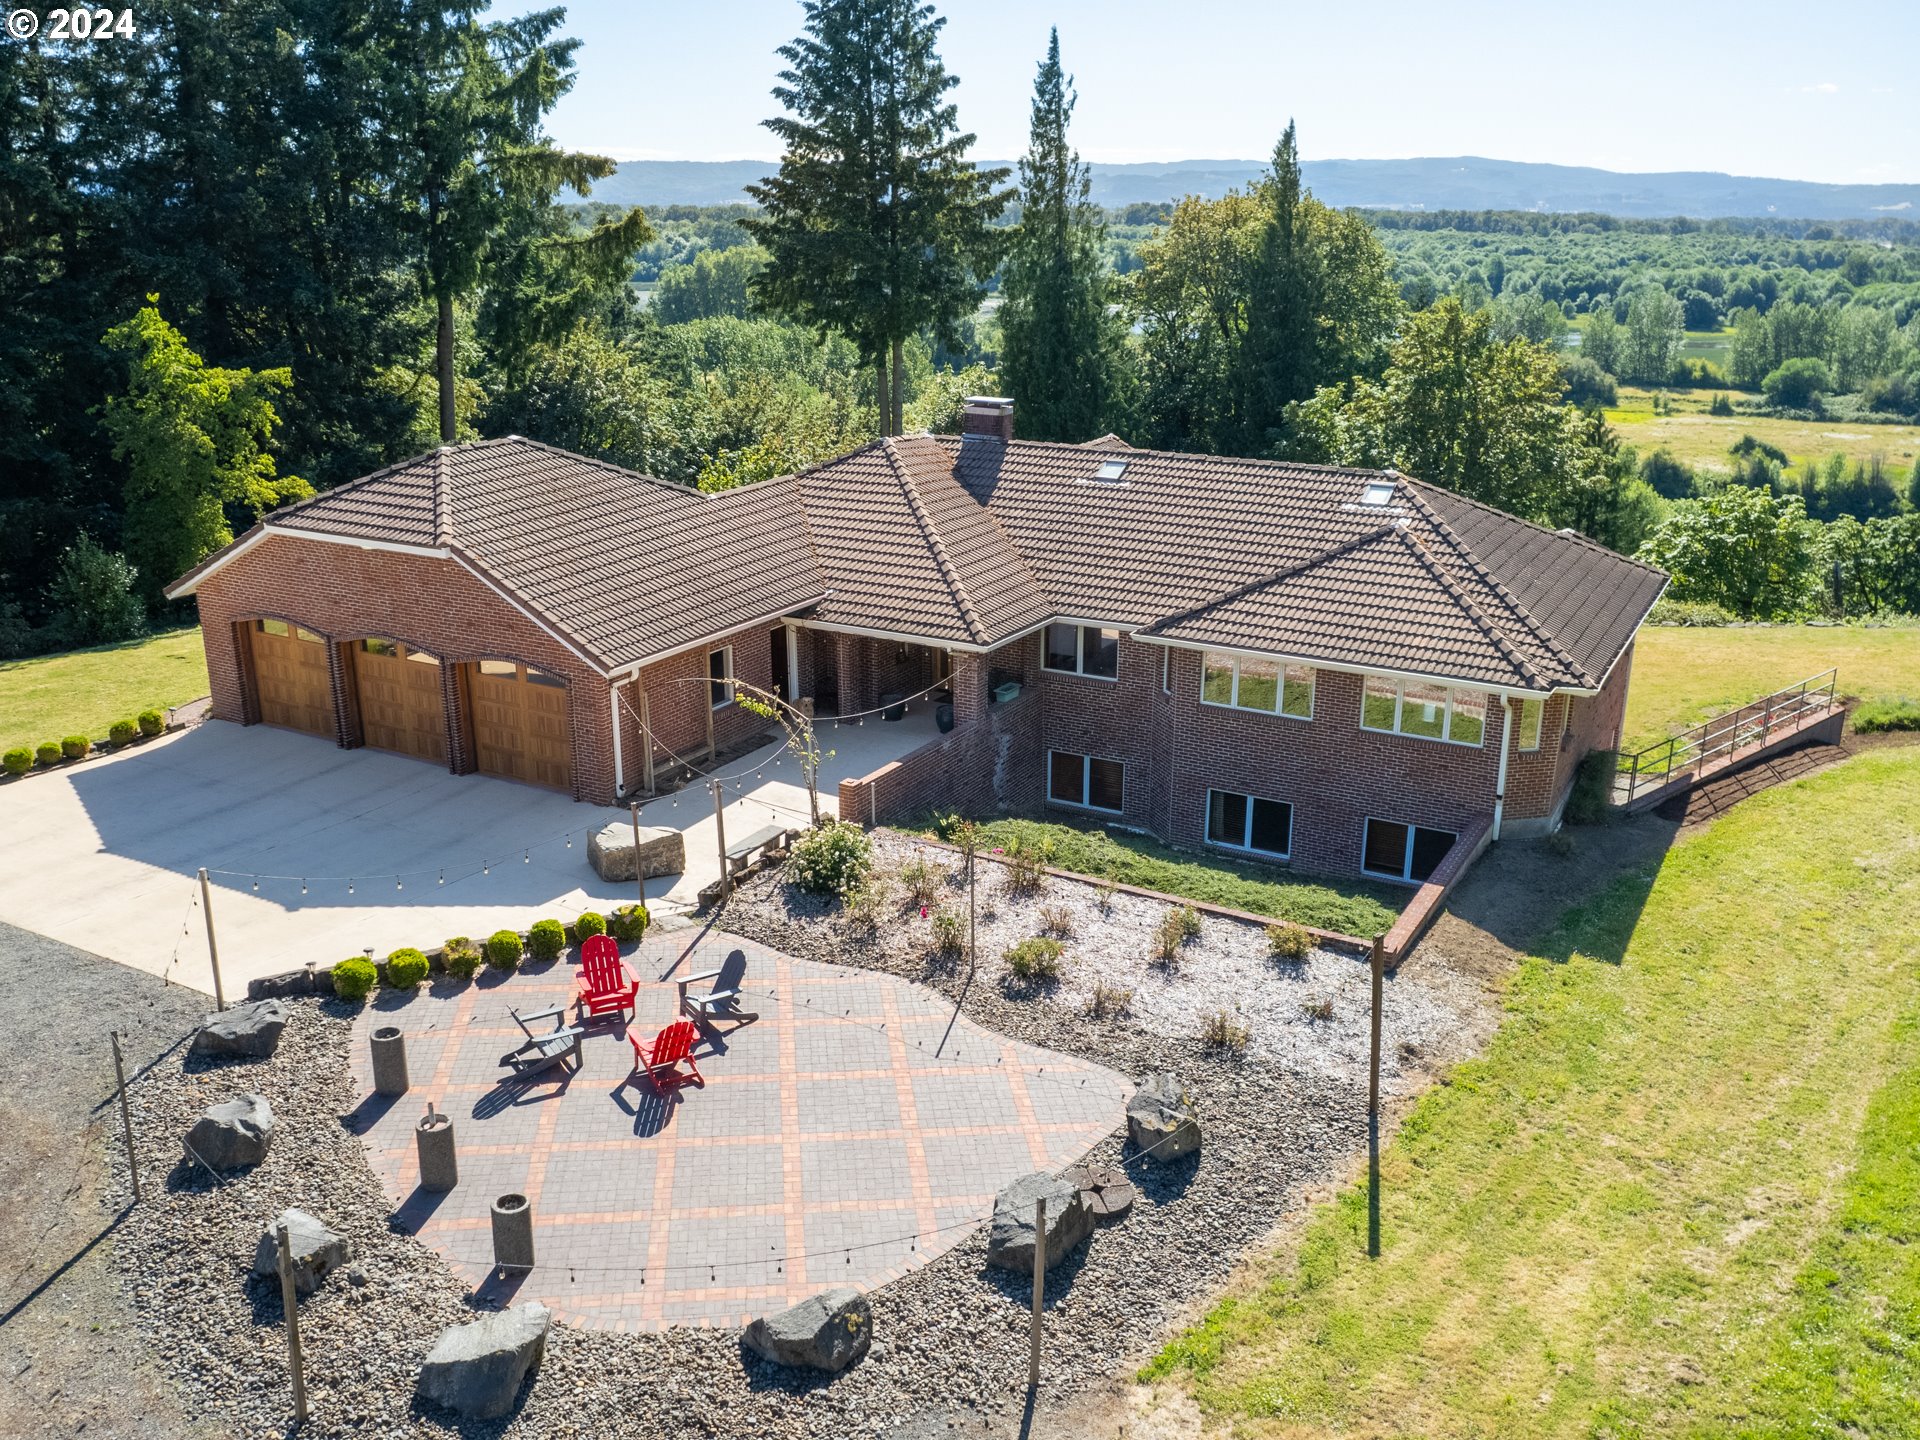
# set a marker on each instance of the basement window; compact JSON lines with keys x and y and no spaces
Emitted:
{"x":1394,"y":851}
{"x":1247,"y":822}
{"x":1087,"y":782}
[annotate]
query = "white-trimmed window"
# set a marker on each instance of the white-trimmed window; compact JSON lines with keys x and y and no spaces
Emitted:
{"x":1429,"y":712}
{"x":1532,"y":710}
{"x":1248,"y":822}
{"x":280,"y":627}
{"x":1396,"y":851}
{"x":1087,"y":781}
{"x":1263,"y":685}
{"x":1082,"y":650}
{"x":720,"y":677}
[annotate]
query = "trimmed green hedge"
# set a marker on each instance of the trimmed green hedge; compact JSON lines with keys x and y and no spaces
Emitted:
{"x":406,"y":968}
{"x":588,"y":924}
{"x":75,"y":747}
{"x":628,"y":924}
{"x":354,"y":979}
{"x":461,"y":958}
{"x":18,"y":760}
{"x":121,"y":732}
{"x":48,"y":753}
{"x":503,"y":950}
{"x":546,"y":939}
{"x":151,"y":722}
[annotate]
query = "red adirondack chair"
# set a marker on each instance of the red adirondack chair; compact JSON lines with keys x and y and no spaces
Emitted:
{"x":671,"y":1048}
{"x":605,"y":987}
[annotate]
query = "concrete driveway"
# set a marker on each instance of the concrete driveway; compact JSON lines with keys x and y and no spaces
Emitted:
{"x":320,"y":853}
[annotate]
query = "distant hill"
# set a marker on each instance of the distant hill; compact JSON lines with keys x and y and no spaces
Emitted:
{"x":1461,"y":183}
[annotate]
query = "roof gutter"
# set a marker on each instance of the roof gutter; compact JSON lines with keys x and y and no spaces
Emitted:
{"x":967,"y":647}
{"x":190,"y":582}
{"x":1345,"y":667}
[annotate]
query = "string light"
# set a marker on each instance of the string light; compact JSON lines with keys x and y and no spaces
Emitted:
{"x":397,"y":885}
{"x":303,"y":885}
{"x":443,"y":878}
{"x":349,"y":887}
{"x":256,"y":887}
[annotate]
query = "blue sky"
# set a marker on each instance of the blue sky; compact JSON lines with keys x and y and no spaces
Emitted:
{"x":1830,"y":92}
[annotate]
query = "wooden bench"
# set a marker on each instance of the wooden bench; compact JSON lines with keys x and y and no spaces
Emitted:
{"x":740,"y":854}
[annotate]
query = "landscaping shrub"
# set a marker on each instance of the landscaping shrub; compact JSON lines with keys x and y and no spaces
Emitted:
{"x":503,"y":950}
{"x":1690,"y":612}
{"x":1883,"y":715}
{"x":151,"y":722}
{"x":1560,"y":844}
{"x":1027,"y":866}
{"x":18,"y":760}
{"x":1108,"y":889}
{"x":949,"y":935}
{"x":354,"y":978}
{"x":1056,"y":920}
{"x":1222,"y":1030}
{"x":1317,"y":1009}
{"x":1035,"y":960}
{"x":866,"y":905}
{"x":406,"y":968}
{"x":1287,"y":941}
{"x":47,"y":753}
{"x":121,"y":732}
{"x":75,"y":746}
{"x":834,"y":859}
{"x":546,"y":939}
{"x":922,"y":881}
{"x":1108,"y":1000}
{"x":461,"y":957}
{"x":1176,"y":928}
{"x":1592,"y":798}
{"x":589,"y":924}
{"x":628,"y":924}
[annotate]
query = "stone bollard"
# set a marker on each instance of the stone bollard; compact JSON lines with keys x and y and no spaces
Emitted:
{"x":433,"y":1139}
{"x":389,"y":1061}
{"x":513,"y":1233}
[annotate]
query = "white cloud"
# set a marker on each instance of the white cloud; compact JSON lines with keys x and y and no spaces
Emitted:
{"x":1824,"y":87}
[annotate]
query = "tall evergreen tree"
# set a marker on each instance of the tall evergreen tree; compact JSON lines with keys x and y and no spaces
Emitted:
{"x":877,"y":225}
{"x":1279,"y":359}
{"x":1063,"y":344}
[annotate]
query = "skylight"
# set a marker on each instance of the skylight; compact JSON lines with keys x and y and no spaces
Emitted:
{"x":1377,"y":492}
{"x":1110,"y":471}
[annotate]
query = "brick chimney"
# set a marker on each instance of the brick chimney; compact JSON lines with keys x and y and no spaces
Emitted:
{"x":987,"y":415}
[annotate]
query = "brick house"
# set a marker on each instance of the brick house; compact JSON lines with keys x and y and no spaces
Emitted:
{"x":1335,"y":669}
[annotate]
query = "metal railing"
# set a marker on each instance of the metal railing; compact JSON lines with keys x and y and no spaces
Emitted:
{"x":1692,"y":751}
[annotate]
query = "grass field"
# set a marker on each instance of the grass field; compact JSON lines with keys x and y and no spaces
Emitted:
{"x":1702,"y":440}
{"x":1682,"y":675}
{"x":1675,"y":1198}
{"x":1352,"y":907}
{"x":85,"y":691}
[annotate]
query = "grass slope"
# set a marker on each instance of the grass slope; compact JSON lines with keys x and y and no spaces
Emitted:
{"x":1681,"y":675}
{"x":1352,"y":907}
{"x":84,"y":691}
{"x":1675,"y":1196}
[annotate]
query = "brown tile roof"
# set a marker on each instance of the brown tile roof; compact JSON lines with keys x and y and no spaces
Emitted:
{"x":971,"y":542}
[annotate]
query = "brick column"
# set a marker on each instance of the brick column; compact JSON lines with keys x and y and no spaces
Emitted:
{"x":969,"y":685}
{"x":456,"y":707}
{"x":855,"y":659}
{"x":239,"y":632}
{"x":348,"y":732}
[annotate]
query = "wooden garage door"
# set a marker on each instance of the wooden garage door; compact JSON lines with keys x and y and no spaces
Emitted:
{"x":520,"y":724}
{"x":400,"y":702}
{"x":290,"y":669}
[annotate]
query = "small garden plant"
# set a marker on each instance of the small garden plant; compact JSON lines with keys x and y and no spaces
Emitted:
{"x":1319,"y":1009}
{"x":75,"y":747}
{"x":1222,"y":1030}
{"x":922,"y":881}
{"x":834,"y":859}
{"x":48,"y":753}
{"x":1035,"y":961}
{"x":354,"y":978}
{"x":18,"y":760}
{"x":1287,"y":941}
{"x":461,"y":958}
{"x":1056,"y":920}
{"x":121,"y":732}
{"x":1109,"y":1001}
{"x":151,"y":722}
{"x":503,"y":950}
{"x":949,"y":935}
{"x":628,"y":924}
{"x":546,"y":939}
{"x":866,"y":905}
{"x":588,"y":924}
{"x":406,"y":968}
{"x":1026,"y":866}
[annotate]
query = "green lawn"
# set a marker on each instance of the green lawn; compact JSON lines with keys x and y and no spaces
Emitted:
{"x":1682,"y":675}
{"x":1351,"y":907}
{"x":1677,"y":1195}
{"x":85,"y":691}
{"x":1701,"y":440}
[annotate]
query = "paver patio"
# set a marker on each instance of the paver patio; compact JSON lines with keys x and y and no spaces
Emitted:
{"x":856,"y":1130}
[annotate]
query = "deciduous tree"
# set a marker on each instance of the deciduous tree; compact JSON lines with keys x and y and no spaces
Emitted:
{"x":1745,"y":549}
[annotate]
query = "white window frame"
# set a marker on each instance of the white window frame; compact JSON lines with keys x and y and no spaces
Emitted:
{"x":1539,"y":705}
{"x":727,"y":680}
{"x":1232,"y":702}
{"x":1086,"y":783}
{"x":1080,"y":652}
{"x":1405,"y":877}
{"x":1246,"y":847}
{"x":1445,"y":736}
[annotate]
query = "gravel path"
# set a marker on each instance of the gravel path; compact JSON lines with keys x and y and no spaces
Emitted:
{"x":951,"y":1338}
{"x":72,"y":1360}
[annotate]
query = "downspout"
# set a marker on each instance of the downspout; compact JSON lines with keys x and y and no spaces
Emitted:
{"x":619,"y":767}
{"x":1500,"y":780}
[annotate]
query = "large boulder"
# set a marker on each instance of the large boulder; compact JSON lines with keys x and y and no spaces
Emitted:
{"x":827,"y":1332}
{"x":1010,"y":1236}
{"x":475,"y":1370}
{"x":315,"y":1250}
{"x":232,"y":1134}
{"x":1161,"y":1119}
{"x":662,"y":852}
{"x":251,"y":1028}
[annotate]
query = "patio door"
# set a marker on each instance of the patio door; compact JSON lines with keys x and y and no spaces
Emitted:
{"x":290,"y":677}
{"x":520,"y":727}
{"x":401,"y":707}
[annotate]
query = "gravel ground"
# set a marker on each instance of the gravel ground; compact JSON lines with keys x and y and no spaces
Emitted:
{"x":951,"y":1339}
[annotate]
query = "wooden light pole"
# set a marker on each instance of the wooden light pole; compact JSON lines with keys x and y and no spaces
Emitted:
{"x":213,"y":949}
{"x":126,"y":1115}
{"x":1377,"y":964}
